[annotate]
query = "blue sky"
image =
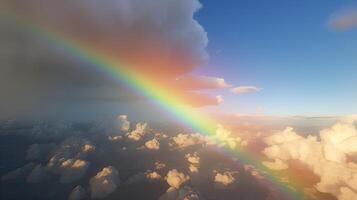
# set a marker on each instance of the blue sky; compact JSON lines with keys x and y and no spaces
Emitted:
{"x":285,"y":47}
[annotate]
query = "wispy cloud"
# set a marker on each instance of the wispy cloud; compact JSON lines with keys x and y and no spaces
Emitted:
{"x":344,"y":19}
{"x":246,"y":89}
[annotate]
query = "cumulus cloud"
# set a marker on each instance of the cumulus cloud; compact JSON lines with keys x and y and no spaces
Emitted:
{"x":185,"y":140}
{"x":175,"y":178}
{"x":184,"y":193}
{"x":344,"y":19}
{"x":224,"y":137}
{"x":152,"y":144}
{"x":138,"y":132}
{"x":70,"y":148}
{"x":194,"y":162}
{"x":160,"y":39}
{"x":245,"y":89}
{"x":104,"y":182}
{"x":72,"y":170}
{"x":225,"y":179}
{"x":159,"y":165}
{"x":326,"y":158}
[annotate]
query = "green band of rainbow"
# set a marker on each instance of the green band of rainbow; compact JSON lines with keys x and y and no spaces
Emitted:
{"x":166,"y":100}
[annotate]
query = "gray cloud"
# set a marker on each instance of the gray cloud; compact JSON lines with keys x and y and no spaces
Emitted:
{"x":152,"y":35}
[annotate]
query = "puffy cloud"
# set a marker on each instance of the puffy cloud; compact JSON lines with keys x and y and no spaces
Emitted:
{"x":191,"y":82}
{"x":70,"y":148}
{"x":72,"y":170}
{"x":138,"y":132}
{"x":225,"y":179}
{"x":245,"y":89}
{"x":326,"y":157}
{"x":175,"y":178}
{"x":184,"y":140}
{"x":38,"y":174}
{"x":184,"y":193}
{"x":153,"y":176}
{"x":159,"y":165}
{"x":223,"y":137}
{"x":193,"y":158}
{"x":104,"y":182}
{"x":194,"y":162}
{"x":123,"y":123}
{"x":152,"y":144}
{"x":20,"y":172}
{"x":344,"y":19}
{"x":160,"y":39}
{"x":77,"y":193}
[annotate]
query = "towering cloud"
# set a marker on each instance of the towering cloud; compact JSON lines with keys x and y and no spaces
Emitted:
{"x":158,"y":38}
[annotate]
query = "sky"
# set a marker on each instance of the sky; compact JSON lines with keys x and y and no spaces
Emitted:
{"x":270,"y":58}
{"x":287,"y":48}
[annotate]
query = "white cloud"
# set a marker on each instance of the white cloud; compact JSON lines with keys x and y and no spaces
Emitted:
{"x":104,"y":182}
{"x":225,"y":179}
{"x":184,"y":140}
{"x":327,"y":157}
{"x":138,"y":132}
{"x":152,"y":144}
{"x":245,"y":89}
{"x":175,"y":178}
{"x":123,"y":123}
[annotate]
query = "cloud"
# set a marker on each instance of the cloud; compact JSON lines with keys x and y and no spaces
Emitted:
{"x":181,"y":140}
{"x":18,"y":173}
{"x":192,"y":82}
{"x":158,"y":38}
{"x":72,"y":170}
{"x":344,"y":19}
{"x":326,"y":158}
{"x":194,"y":162}
{"x":104,"y":182}
{"x":152,"y":144}
{"x":77,"y":193}
{"x":138,"y":132}
{"x":245,"y":89}
{"x":38,"y":151}
{"x":184,"y":193}
{"x":175,"y":178}
{"x":225,"y":179}
{"x":38,"y":174}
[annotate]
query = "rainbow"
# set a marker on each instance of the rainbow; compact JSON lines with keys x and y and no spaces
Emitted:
{"x":161,"y":96}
